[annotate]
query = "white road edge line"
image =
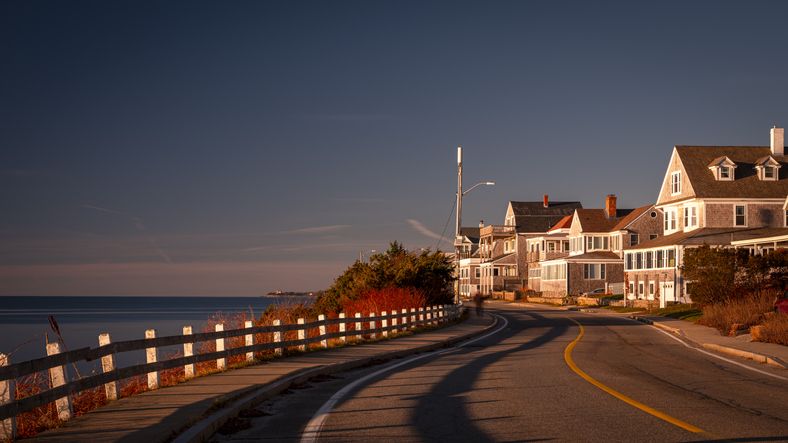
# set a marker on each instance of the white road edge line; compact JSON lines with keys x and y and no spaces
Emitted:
{"x":713,"y":355}
{"x":312,"y":430}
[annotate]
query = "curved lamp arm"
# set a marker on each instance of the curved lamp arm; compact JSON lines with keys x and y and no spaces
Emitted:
{"x":478,"y":184}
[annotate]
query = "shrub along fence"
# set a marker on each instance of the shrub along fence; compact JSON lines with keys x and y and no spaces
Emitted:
{"x":62,"y":389}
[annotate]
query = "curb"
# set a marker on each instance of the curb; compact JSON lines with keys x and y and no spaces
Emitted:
{"x":204,"y":429}
{"x":761,"y":358}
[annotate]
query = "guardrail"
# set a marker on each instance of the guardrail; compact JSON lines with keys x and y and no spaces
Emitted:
{"x":62,"y":389}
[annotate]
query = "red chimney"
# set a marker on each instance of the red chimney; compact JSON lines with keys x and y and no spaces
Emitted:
{"x":545,"y":201}
{"x":610,"y":205}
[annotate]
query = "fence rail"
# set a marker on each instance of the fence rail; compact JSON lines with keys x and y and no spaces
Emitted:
{"x":61,"y":391}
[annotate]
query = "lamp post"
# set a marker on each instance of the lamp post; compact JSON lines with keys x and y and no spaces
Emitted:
{"x":460,"y":193}
{"x":361,"y":255}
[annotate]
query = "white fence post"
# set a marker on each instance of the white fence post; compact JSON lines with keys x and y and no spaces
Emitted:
{"x":421,"y":316}
{"x":221,"y":363}
{"x":188,"y":351}
{"x":278,"y":336}
{"x":412,"y":317}
{"x":358,"y":326}
{"x":58,"y":376}
{"x":322,"y":327}
{"x":372,"y":326}
{"x":152,"y":355}
{"x":441,"y":313}
{"x":249,"y":341}
{"x":404,"y":321}
{"x":7,"y":392}
{"x":343,"y":327}
{"x":302,"y":334}
{"x":108,"y":365}
{"x":394,"y":321}
{"x":383,"y":324}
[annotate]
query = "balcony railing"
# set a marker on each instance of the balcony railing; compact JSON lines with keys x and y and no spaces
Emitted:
{"x":497,"y":230}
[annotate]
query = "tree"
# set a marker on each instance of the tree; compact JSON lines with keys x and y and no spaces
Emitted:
{"x":431,"y":274}
{"x":714,"y":274}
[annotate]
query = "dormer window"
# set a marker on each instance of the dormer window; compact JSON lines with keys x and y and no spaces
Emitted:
{"x":768,"y":169}
{"x":723,"y":169}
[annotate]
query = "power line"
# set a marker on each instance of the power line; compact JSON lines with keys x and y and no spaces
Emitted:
{"x":447,"y":225}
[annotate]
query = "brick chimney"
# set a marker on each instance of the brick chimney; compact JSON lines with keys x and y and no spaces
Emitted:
{"x":545,"y":200}
{"x":610,"y":206}
{"x":778,"y":141}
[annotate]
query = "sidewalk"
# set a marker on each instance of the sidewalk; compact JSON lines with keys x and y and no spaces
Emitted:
{"x":710,"y":338}
{"x":178,"y":413}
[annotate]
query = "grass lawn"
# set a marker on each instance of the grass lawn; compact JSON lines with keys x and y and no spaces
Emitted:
{"x":623,"y":309}
{"x":689,"y":312}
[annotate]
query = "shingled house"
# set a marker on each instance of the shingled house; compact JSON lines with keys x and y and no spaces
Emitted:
{"x":592,"y":256}
{"x":502,"y":248}
{"x":716,"y":195}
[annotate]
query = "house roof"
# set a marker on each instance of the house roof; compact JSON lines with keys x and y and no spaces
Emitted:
{"x":626,"y":220}
{"x":473,"y":234}
{"x":595,"y":220}
{"x":588,"y":256}
{"x":710,"y":236}
{"x":534,"y":217}
{"x":746,"y":184}
{"x":565,"y":223}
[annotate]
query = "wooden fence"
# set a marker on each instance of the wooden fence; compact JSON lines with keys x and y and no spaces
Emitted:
{"x":62,"y":389}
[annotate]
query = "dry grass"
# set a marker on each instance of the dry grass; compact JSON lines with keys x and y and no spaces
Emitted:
{"x":774,"y":329}
{"x":740,"y":314}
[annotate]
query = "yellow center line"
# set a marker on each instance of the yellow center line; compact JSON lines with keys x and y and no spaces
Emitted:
{"x":637,"y":404}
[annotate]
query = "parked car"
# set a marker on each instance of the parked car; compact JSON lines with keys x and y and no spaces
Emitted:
{"x":594,"y":293}
{"x":781,"y":305}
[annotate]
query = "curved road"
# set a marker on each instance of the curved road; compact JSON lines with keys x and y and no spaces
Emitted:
{"x":545,"y":375}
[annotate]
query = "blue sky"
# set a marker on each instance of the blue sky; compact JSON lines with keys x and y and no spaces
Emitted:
{"x":233,"y":148}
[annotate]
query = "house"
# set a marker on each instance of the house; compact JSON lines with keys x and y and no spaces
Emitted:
{"x":466,"y":247}
{"x":593,"y":249}
{"x":728,"y":196}
{"x":502,"y":248}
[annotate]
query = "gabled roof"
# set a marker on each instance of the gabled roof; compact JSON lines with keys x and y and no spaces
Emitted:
{"x":595,"y":220}
{"x":533,"y":217}
{"x":696,"y":160}
{"x":473,"y":234}
{"x":565,"y":223}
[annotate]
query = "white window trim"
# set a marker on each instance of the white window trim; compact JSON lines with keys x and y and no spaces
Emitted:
{"x":745,"y":215}
{"x":675,"y":183}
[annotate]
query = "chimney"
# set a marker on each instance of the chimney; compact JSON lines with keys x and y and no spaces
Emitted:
{"x":545,"y":200}
{"x":778,"y":141}
{"x":610,"y":206}
{"x":481,"y":223}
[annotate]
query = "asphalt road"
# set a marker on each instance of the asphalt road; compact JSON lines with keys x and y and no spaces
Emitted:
{"x":544,"y":375}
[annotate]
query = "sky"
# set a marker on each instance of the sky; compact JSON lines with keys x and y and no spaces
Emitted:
{"x":235,"y":148}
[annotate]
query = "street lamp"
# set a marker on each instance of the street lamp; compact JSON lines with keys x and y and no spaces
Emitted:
{"x":459,"y":213}
{"x":361,"y":255}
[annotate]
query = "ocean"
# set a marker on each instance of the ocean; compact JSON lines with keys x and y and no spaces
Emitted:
{"x":23,"y":320}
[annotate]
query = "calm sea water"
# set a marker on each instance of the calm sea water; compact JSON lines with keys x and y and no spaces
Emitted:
{"x":23,"y":320}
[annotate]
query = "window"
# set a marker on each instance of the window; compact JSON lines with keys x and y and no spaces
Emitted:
{"x":768,"y":172}
{"x":616,"y":240}
{"x":694,"y":216}
{"x":495,"y":272}
{"x":672,"y":220}
{"x":566,"y":246}
{"x":554,"y":272}
{"x":725,"y":172}
{"x":631,"y":287}
{"x":652,"y":236}
{"x":633,"y":239}
{"x":651,"y":288}
{"x":671,"y":258}
{"x":675,"y":183}
{"x":596,"y":243}
{"x":740,"y":216}
{"x":667,"y":221}
{"x":594,"y":271}
{"x":640,"y":288}
{"x":649,"y":263}
{"x":660,"y":263}
{"x":551,"y":246}
{"x":478,"y":273}
{"x":639,"y":260}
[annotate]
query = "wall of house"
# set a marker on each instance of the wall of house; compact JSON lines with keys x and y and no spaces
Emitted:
{"x":614,"y":273}
{"x":646,"y":276}
{"x":758,"y":215}
{"x":646,"y":225}
{"x":686,"y":188}
{"x":554,"y":286}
